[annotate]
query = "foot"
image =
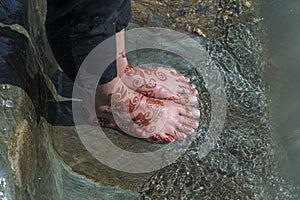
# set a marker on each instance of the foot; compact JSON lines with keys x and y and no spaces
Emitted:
{"x":118,"y":106}
{"x":155,"y":82}
{"x":160,"y":83}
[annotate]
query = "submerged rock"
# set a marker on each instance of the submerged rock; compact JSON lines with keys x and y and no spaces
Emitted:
{"x":42,"y":156}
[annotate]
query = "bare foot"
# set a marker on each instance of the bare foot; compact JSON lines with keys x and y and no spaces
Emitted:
{"x":119,"y":107}
{"x":160,"y":83}
{"x":155,"y":82}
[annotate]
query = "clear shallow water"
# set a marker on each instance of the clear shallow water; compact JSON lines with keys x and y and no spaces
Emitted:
{"x":281,"y":76}
{"x":282,"y":22}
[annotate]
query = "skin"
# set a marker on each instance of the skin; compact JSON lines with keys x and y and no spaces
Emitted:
{"x":157,"y":120}
{"x":153,"y":103}
{"x":156,"y":82}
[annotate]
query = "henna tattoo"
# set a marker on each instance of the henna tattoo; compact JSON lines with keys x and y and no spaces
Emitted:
{"x":161,"y":76}
{"x":169,"y":139}
{"x":142,"y":119}
{"x":134,"y":103}
{"x":135,"y":110}
{"x":103,"y":121}
{"x":151,"y":101}
{"x":171,"y":99}
{"x":184,"y":99}
{"x":129,"y":68}
{"x":149,"y":93}
{"x":150,"y":84}
{"x":149,"y":70}
{"x":137,"y":114}
{"x":154,"y":82}
{"x":156,"y":137}
{"x":138,"y":83}
{"x":122,"y":53}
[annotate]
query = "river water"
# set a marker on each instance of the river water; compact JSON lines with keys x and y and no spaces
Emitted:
{"x":282,"y":24}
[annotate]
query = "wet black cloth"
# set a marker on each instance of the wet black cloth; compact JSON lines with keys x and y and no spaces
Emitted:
{"x":75,"y":27}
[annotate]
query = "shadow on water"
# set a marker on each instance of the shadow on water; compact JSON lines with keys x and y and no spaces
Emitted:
{"x":282,"y":21}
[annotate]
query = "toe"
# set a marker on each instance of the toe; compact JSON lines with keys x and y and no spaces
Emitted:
{"x":178,"y":75}
{"x":186,"y":99}
{"x":187,"y":88}
{"x":182,"y":78}
{"x":187,"y":129}
{"x":189,"y":122}
{"x":162,"y":137}
{"x":179,"y":135}
{"x":175,"y":133}
{"x":189,"y":112}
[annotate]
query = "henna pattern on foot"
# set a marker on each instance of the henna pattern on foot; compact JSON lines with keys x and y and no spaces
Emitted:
{"x":140,"y":116}
{"x":160,"y":83}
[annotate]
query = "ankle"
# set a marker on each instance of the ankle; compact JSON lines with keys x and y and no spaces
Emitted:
{"x":122,"y":63}
{"x":121,"y":59}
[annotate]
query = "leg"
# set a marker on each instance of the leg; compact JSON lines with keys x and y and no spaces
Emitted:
{"x":73,"y":36}
{"x":75,"y":27}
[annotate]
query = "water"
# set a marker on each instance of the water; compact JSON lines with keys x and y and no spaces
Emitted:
{"x":282,"y":21}
{"x":2,"y":188}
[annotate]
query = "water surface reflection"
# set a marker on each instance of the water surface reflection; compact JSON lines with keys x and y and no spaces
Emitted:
{"x":282,"y":20}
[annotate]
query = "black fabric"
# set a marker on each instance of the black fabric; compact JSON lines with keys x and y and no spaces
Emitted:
{"x":75,"y":27}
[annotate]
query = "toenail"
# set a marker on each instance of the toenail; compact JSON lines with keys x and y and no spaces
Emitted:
{"x":169,"y":139}
{"x":197,"y":124}
{"x":184,"y":90}
{"x":193,"y":99}
{"x":196,"y":113}
{"x":196,"y":92}
{"x":182,"y":136}
{"x":156,"y":137}
{"x":188,"y":79}
{"x":193,"y":86}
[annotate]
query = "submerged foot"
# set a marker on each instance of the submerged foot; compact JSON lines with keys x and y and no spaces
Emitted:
{"x":160,"y":83}
{"x":118,"y":106}
{"x":152,"y":81}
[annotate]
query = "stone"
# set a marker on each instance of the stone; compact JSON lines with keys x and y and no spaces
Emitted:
{"x":42,"y":157}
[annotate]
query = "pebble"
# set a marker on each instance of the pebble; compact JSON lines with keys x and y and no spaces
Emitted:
{"x":7,"y":103}
{"x":201,"y":9}
{"x":248,"y":4}
{"x":181,"y":13}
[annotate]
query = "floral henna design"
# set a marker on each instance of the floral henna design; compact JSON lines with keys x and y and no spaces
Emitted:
{"x":118,"y":106}
{"x":149,"y":93}
{"x":154,"y":82}
{"x":142,"y":120}
{"x":155,"y":71}
{"x":151,"y":101}
{"x":134,"y":110}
